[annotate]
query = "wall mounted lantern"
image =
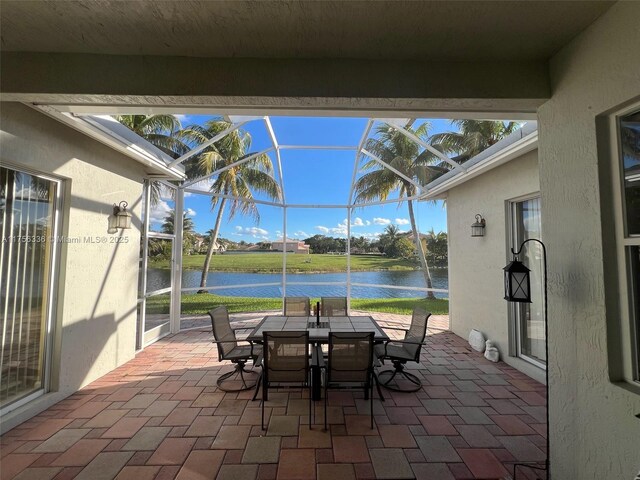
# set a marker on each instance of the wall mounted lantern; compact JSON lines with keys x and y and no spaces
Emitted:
{"x":517,"y":288}
{"x":122,"y":216}
{"x":477,"y":229}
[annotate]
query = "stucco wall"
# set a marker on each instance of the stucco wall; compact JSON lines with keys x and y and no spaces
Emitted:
{"x":475,"y":264}
{"x":594,"y":433}
{"x":97,"y":283}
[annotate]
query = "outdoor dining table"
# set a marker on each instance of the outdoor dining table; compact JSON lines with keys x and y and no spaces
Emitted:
{"x":318,"y":334}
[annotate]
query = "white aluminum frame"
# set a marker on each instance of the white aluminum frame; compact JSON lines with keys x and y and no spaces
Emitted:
{"x":185,"y":186}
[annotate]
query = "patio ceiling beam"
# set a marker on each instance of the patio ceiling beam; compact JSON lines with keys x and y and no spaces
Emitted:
{"x":228,"y":167}
{"x":248,"y":200}
{"x":208,"y":143}
{"x":363,"y":139}
{"x":424,"y":144}
{"x":274,"y":142}
{"x":394,"y":170}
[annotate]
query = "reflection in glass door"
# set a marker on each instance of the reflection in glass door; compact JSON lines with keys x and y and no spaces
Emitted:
{"x":528,"y":318}
{"x":27,"y":222}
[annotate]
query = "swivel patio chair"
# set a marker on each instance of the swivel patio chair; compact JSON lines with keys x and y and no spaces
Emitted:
{"x":285,"y":363}
{"x":350,"y":364}
{"x":229,"y":349}
{"x":297,"y":306}
{"x":333,"y":306}
{"x":399,"y":352}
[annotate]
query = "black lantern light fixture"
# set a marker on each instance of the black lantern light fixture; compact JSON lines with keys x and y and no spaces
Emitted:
{"x":477,"y":228}
{"x":122,"y":216}
{"x":517,"y":288}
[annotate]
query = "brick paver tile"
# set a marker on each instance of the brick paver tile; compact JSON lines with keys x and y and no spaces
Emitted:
{"x":88,"y":410}
{"x":390,"y":463}
{"x":396,"y":436}
{"x":437,"y":449}
{"x":238,"y":472}
{"x":473,"y":416}
{"x":231,"y":436}
{"x":14,"y":463}
{"x":201,"y":465}
{"x":402,"y":416}
{"x":172,"y":451}
{"x":313,"y":438}
{"x":181,"y":416}
{"x":81,"y":453}
{"x":512,"y":425}
{"x":283,"y":425}
{"x":147,"y":438}
{"x":204,"y":426}
{"x":350,"y":449}
{"x":522,"y":448}
{"x":437,"y":425}
{"x":187,"y":393}
{"x":478,"y":436}
{"x":138,"y":473}
{"x":126,"y":427}
{"x":482,"y":463}
{"x":360,"y":425}
{"x":262,"y":450}
{"x":105,"y":466}
{"x":106,"y":418}
{"x":61,"y":441}
{"x":334,"y":471}
{"x":124,"y":394}
{"x":46,"y":429}
{"x":42,"y":473}
{"x":432,"y":471}
{"x":297,"y":464}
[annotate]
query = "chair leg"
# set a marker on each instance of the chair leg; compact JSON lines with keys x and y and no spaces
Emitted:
{"x":310,"y":414}
{"x":255,"y":394}
{"x":371,"y":403}
{"x":375,"y":379}
{"x":326,"y":400}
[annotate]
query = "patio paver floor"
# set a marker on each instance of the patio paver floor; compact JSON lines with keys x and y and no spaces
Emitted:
{"x":161,"y":416}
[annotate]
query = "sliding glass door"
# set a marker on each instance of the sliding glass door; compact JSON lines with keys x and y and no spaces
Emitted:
{"x":28,"y":208}
{"x":528,"y":318}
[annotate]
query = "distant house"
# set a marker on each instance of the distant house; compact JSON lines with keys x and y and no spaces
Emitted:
{"x":292,"y":246}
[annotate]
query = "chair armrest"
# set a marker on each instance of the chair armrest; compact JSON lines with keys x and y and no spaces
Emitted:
{"x":395,"y":328}
{"x":404,"y":342}
{"x":317,"y":360}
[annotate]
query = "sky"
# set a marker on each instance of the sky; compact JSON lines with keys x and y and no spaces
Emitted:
{"x":310,"y":177}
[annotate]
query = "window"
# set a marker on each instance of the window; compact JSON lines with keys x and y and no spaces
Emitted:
{"x":629,"y":241}
{"x":527,"y":319}
{"x":28,"y":207}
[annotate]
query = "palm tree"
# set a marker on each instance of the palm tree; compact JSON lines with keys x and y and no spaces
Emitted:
{"x":405,"y":155}
{"x":239,"y":182}
{"x":472,"y":137}
{"x":162,"y":131}
{"x":188,"y":233}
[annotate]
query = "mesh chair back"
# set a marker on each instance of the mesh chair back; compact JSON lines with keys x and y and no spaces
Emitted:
{"x":297,"y":306}
{"x":350,"y":357}
{"x":286,"y":357}
{"x":222,"y":331}
{"x":417,"y":331}
{"x":334,"y":306}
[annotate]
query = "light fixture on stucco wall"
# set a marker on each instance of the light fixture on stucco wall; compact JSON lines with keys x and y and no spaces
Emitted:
{"x":477,"y":228}
{"x":122,"y":216}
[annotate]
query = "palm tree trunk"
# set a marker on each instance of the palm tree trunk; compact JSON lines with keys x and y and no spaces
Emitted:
{"x":421,"y":255}
{"x":214,"y":239}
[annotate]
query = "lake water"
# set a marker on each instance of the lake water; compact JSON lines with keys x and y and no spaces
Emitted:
{"x":160,"y":278}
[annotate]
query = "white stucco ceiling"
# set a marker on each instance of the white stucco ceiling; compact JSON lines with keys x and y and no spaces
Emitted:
{"x":455,"y":31}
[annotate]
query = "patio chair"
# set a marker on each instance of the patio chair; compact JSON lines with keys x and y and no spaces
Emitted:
{"x":333,"y":306}
{"x":297,"y":306}
{"x":349,"y":364}
{"x":399,"y":352}
{"x":229,"y":349}
{"x":285,"y":363}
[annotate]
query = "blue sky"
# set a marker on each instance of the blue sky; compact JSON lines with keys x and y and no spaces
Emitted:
{"x":318,"y":177}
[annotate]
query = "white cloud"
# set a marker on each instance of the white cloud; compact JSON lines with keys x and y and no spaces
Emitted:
{"x":159,"y":211}
{"x":381,"y":221}
{"x":255,"y":232}
{"x":322,"y":229}
{"x":367,"y":223}
{"x":357,"y":222}
{"x":190,"y":212}
{"x":402,"y":221}
{"x":301,"y":234}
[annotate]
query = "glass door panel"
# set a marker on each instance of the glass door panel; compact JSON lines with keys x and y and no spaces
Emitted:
{"x":27,"y":214}
{"x":529,"y":317}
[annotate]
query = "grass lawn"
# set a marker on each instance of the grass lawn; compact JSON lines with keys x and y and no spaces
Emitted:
{"x":194,"y":304}
{"x":296,"y":263}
